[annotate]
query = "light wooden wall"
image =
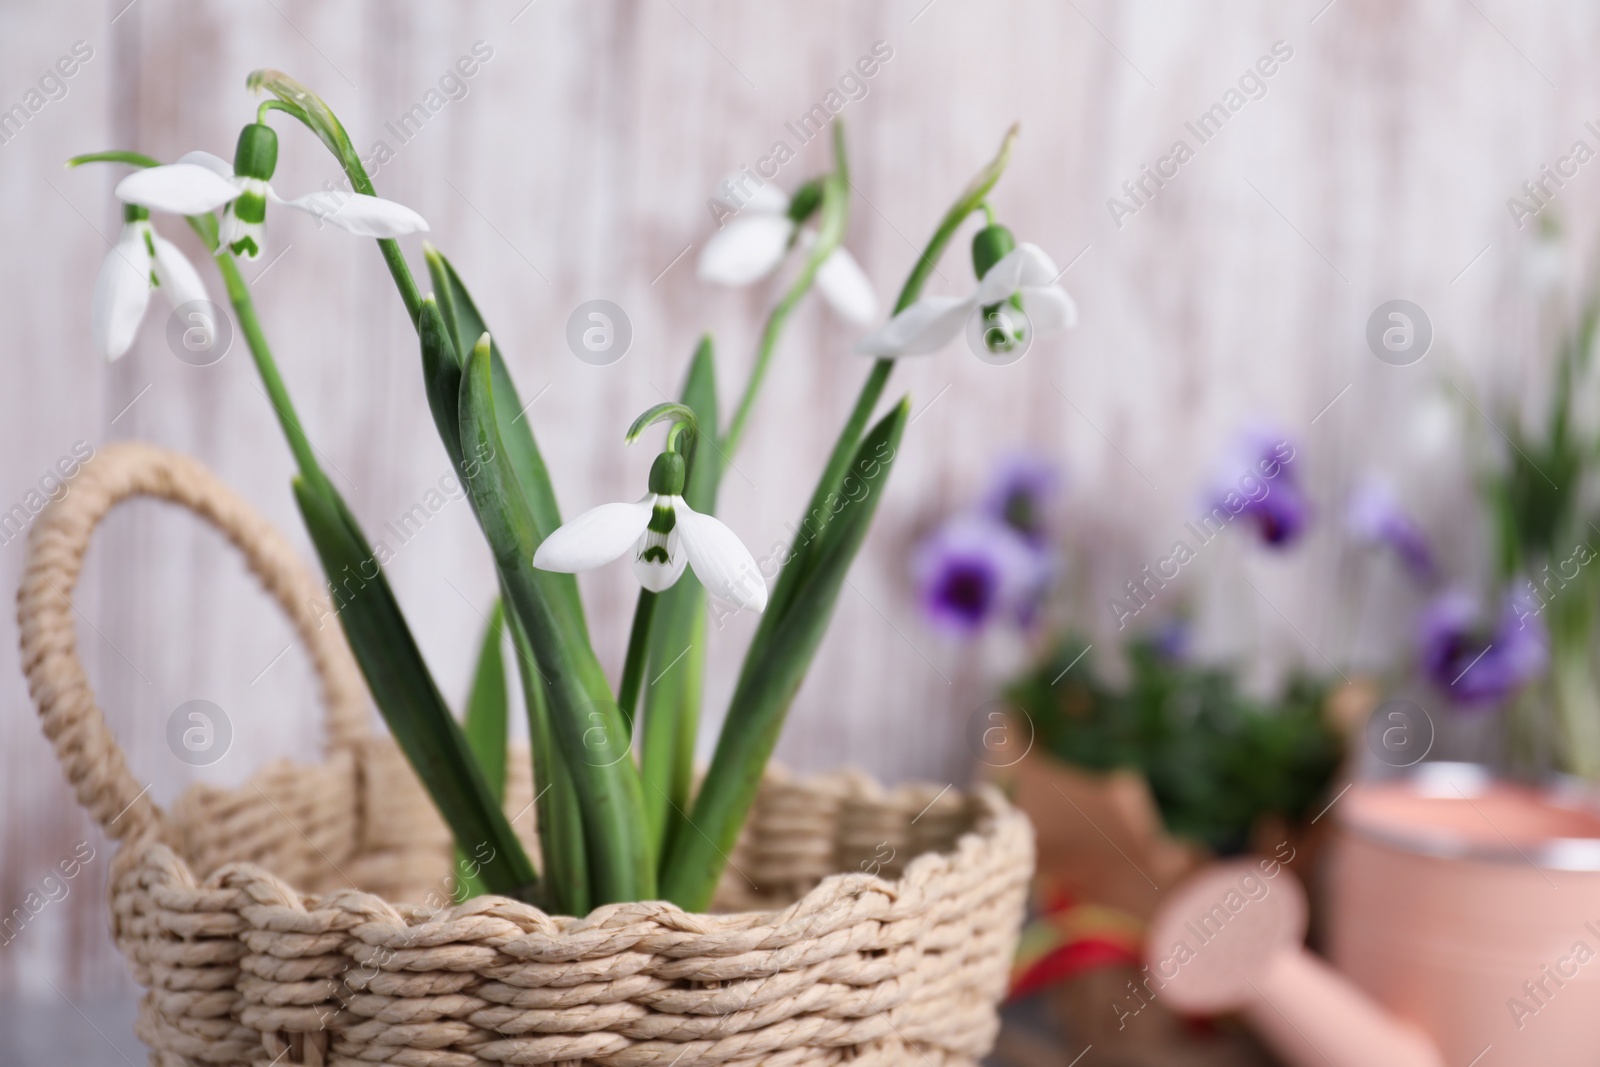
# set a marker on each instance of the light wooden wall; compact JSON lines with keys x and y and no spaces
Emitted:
{"x":1377,"y":165}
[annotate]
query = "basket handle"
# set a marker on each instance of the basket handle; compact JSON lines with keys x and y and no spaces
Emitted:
{"x":90,"y":756}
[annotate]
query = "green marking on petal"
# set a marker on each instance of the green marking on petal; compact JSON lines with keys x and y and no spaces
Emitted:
{"x":662,"y":519}
{"x":251,"y":206}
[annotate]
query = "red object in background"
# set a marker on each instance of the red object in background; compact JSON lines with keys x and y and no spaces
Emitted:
{"x":1069,"y":937}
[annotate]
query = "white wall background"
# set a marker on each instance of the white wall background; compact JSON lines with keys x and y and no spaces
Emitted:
{"x":1377,"y":165}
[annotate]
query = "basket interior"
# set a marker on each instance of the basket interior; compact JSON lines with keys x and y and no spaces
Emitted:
{"x":362,"y":820}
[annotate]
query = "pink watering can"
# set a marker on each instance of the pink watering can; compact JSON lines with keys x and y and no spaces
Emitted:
{"x":1464,"y":924}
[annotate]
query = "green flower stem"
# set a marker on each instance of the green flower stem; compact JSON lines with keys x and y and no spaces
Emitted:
{"x":296,"y":100}
{"x":769,"y":680}
{"x":671,"y":702}
{"x":802,"y":601}
{"x":633,"y":662}
{"x":250,"y":325}
{"x":835,"y":217}
{"x":819,"y":508}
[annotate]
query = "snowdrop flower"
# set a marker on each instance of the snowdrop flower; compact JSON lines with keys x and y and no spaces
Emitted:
{"x":767,"y":225}
{"x":200,"y":182}
{"x":665,"y":535}
{"x":1021,"y":275}
{"x":141,"y":260}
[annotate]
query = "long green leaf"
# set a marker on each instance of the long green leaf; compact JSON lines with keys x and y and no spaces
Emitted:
{"x":566,"y":864}
{"x":485,"y":719}
{"x":485,"y":724}
{"x":588,"y":726}
{"x":769,"y":681}
{"x":441,"y":377}
{"x":671,"y":715}
{"x":465,"y":325}
{"x":405,"y":693}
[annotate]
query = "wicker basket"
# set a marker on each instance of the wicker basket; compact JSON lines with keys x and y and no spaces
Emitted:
{"x":259,"y":919}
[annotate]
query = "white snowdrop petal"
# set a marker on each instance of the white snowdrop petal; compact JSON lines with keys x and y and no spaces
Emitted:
{"x":721,"y":562}
{"x":121,"y":293}
{"x":926,"y":326}
{"x":743,"y":191}
{"x":1003,"y":279}
{"x":215,"y":164}
{"x":594,"y":538}
{"x":655,"y":575}
{"x":847,"y":289}
{"x":178,"y":277}
{"x":745,"y":250}
{"x":181,"y":188}
{"x":1050,"y":309}
{"x":357,"y":213}
{"x":1038,"y":269}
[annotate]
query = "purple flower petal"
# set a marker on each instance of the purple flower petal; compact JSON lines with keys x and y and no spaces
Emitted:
{"x":1477,"y":664}
{"x":975,"y":569}
{"x":1374,"y":516}
{"x":1257,"y":479}
{"x":1022,"y":488}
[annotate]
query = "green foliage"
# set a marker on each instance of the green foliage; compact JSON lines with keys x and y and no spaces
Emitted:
{"x":1216,"y":760}
{"x":600,"y":840}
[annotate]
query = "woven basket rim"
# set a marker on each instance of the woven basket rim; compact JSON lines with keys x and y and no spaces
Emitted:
{"x":995,"y":820}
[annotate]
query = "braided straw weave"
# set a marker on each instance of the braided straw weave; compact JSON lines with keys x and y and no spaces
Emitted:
{"x":258,"y":919}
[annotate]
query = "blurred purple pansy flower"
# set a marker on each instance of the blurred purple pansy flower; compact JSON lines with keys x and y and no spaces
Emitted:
{"x":1475,"y":663}
{"x":1374,"y":517}
{"x":1020,"y":494}
{"x":1171,"y":639}
{"x":1257,"y":480}
{"x":975,"y":569}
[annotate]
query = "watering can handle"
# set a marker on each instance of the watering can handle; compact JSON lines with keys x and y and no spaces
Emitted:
{"x":1310,"y":1014}
{"x":1229,"y":938}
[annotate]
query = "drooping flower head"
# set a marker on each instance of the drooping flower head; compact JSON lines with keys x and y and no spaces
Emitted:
{"x":1257,"y":481}
{"x":1475,"y":661}
{"x":973,"y":570}
{"x":1011,"y":277}
{"x":1374,"y":516}
{"x":140,"y":261}
{"x":200,"y":182}
{"x":766,"y":227}
{"x":665,"y":535}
